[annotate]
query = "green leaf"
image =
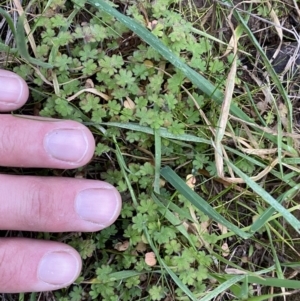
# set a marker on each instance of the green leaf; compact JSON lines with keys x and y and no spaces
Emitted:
{"x":199,"y":81}
{"x":175,"y":278}
{"x":101,"y":148}
{"x":207,"y":87}
{"x":124,"y":78}
{"x":157,"y":292}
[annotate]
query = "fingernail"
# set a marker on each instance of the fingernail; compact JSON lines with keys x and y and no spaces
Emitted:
{"x":58,"y":268}
{"x":11,"y":89}
{"x":100,"y":206}
{"x":68,"y":145}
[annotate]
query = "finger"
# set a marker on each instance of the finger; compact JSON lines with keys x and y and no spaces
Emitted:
{"x":13,"y":91}
{"x":28,"y":265}
{"x":25,"y":142}
{"x":57,"y":204}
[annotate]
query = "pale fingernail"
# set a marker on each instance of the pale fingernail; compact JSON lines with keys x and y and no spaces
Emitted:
{"x":99,"y":206}
{"x":69,"y":145}
{"x":11,"y":89}
{"x":58,"y":268}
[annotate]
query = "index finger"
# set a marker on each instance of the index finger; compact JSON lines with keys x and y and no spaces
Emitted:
{"x":13,"y":91}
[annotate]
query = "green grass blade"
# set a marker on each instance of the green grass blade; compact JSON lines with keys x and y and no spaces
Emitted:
{"x":237,"y":290}
{"x":199,"y":202}
{"x":164,"y":133}
{"x":172,"y":206}
{"x":267,"y":281}
{"x":123,"y":169}
{"x":22,"y":48}
{"x":291,"y":219}
{"x":9,"y":21}
{"x":293,"y":265}
{"x":223,"y":287}
{"x":265,"y":297}
{"x":33,"y":296}
{"x":293,"y":284}
{"x":175,"y":221}
{"x":287,"y":178}
{"x":157,"y":145}
{"x":254,"y":106}
{"x":270,"y":211}
{"x":279,"y":272}
{"x":119,"y":276}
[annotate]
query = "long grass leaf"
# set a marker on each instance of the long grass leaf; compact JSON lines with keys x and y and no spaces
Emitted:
{"x":164,"y":133}
{"x":293,"y":284}
{"x":199,"y":202}
{"x":22,"y":48}
{"x":157,"y":145}
{"x":263,"y":219}
{"x":266,"y":297}
{"x":223,"y":287}
{"x":291,"y":219}
{"x":123,"y":169}
{"x":267,"y":281}
{"x":9,"y":21}
{"x":175,"y":221}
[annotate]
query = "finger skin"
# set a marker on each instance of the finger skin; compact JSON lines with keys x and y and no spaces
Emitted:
{"x":21,"y":260}
{"x":51,"y":204}
{"x":23,"y":143}
{"x":13,"y":91}
{"x":45,"y":204}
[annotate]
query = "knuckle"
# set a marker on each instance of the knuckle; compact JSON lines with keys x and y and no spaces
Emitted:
{"x":9,"y":271}
{"x":4,"y":275}
{"x":7,"y":139}
{"x":11,"y":139}
{"x":38,"y":206}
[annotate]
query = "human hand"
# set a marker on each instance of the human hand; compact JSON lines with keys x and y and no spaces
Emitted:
{"x":45,"y":204}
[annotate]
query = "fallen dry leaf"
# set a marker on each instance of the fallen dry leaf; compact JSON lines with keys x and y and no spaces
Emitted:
{"x":152,"y":24}
{"x":204,"y":226}
{"x":122,"y":246}
{"x":225,"y":249}
{"x":89,"y":84}
{"x":190,"y":181}
{"x":148,"y":63}
{"x":141,"y":247}
{"x":244,"y":259}
{"x":129,"y":104}
{"x":233,"y":271}
{"x":222,"y":228}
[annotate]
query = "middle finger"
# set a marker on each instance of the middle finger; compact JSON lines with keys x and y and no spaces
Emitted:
{"x":26,"y":142}
{"x":56,"y":204}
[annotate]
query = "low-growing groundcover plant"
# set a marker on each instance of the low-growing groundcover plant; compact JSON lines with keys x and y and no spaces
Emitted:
{"x":204,"y":153}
